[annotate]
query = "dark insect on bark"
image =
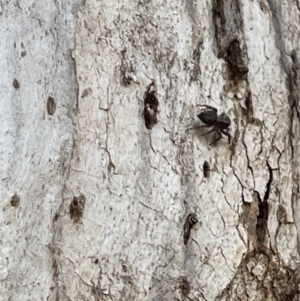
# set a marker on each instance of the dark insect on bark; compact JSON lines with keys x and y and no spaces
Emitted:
{"x":16,"y":84}
{"x":51,"y":106}
{"x":220,"y":123}
{"x":77,"y":208}
{"x":151,"y":106}
{"x":206,"y":170}
{"x":184,"y":285}
{"x":235,"y":58}
{"x":191,"y":220}
{"x":15,"y":200}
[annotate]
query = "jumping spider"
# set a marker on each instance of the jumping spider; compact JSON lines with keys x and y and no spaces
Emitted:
{"x":220,"y":123}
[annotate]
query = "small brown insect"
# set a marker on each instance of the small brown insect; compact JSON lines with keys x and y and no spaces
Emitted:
{"x":15,"y":200}
{"x":206,"y":169}
{"x":151,"y":106}
{"x":77,"y":208}
{"x":191,"y":220}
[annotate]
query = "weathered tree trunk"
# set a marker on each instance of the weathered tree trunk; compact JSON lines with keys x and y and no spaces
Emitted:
{"x":107,"y":190}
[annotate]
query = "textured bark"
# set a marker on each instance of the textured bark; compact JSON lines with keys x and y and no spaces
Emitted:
{"x":107,"y":190}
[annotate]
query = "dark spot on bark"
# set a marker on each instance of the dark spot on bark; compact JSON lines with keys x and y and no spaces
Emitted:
{"x":96,"y":261}
{"x":51,"y":105}
{"x":23,"y":53}
{"x":235,"y":59}
{"x":56,"y":216}
{"x":77,"y":208}
{"x":190,"y":221}
{"x":184,"y":285}
{"x":15,"y":200}
{"x":16,"y":84}
{"x":85,"y":93}
{"x":248,"y":102}
{"x":262,"y":222}
{"x":248,"y":109}
{"x":206,"y":169}
{"x":111,"y":166}
{"x":151,"y":106}
{"x":281,"y":215}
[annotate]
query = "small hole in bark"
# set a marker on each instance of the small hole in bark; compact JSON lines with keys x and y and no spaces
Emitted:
{"x":56,"y":217}
{"x":96,"y":261}
{"x":23,"y":53}
{"x":15,"y":200}
{"x":51,"y":105}
{"x":16,"y":84}
{"x":206,"y":169}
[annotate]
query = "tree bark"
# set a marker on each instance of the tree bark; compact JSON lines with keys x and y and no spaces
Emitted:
{"x":110,"y":189}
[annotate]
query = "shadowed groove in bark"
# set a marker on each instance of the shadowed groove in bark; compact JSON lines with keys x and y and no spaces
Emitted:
{"x":268,"y":186}
{"x":263,"y":213}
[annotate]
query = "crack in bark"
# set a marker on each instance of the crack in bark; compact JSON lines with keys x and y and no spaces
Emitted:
{"x":81,"y":171}
{"x":226,"y":260}
{"x":224,"y":224}
{"x":269,"y":183}
{"x":222,"y":189}
{"x":248,"y":160}
{"x":241,"y":237}
{"x":155,"y":210}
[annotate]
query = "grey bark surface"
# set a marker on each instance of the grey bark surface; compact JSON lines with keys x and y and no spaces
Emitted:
{"x":106,"y":191}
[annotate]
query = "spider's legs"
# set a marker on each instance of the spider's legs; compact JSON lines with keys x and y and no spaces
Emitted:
{"x":213,"y":130}
{"x":219,"y":136}
{"x":226,"y":134}
{"x":199,"y":126}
